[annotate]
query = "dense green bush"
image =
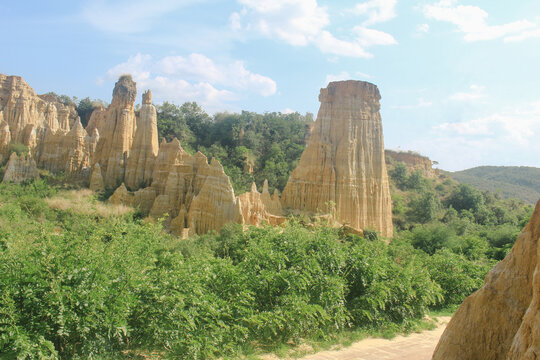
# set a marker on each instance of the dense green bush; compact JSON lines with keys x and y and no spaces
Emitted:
{"x":88,"y":286}
{"x":79,"y":286}
{"x":457,"y":276}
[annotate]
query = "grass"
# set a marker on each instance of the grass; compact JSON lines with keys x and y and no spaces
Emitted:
{"x":84,"y":202}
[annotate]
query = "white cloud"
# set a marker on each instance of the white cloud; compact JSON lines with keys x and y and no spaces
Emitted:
{"x":304,"y":22}
{"x":377,"y":11}
{"x":296,"y":22}
{"x":421,"y":103}
{"x":529,"y":34}
{"x":475,"y":92}
{"x":327,"y":43}
{"x":471,"y":20}
{"x":422,"y":28}
{"x":505,"y":137}
{"x":511,"y":127}
{"x":369,"y":37}
{"x":131,"y":16}
{"x":288,"y":111}
{"x":363,"y":75}
{"x":194,"y":78}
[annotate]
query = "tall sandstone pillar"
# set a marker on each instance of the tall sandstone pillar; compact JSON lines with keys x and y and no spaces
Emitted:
{"x":145,"y":147}
{"x":117,"y":133}
{"x":343,"y":164}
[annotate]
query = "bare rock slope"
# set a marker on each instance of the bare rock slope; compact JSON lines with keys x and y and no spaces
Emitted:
{"x":502,"y":319}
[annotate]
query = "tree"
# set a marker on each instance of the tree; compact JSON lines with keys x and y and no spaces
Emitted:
{"x":426,"y":208}
{"x":465,"y":197}
{"x":399,"y":174}
{"x":85,"y":109}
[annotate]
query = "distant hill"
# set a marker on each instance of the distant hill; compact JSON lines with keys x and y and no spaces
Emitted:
{"x":519,"y":182}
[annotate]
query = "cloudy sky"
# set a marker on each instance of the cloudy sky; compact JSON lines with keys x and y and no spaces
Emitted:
{"x":459,"y":79}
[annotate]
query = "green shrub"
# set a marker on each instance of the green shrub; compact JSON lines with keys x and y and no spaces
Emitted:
{"x":457,"y":276}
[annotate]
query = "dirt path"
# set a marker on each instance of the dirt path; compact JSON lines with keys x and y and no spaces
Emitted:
{"x":412,"y":347}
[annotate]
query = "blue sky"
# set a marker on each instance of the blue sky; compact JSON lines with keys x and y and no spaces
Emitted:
{"x":459,"y":79}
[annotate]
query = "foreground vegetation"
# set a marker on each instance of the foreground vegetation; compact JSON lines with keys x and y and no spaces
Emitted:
{"x":81,"y":279}
{"x":98,"y":284}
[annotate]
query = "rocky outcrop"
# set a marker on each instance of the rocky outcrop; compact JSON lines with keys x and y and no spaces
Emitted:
{"x":145,"y":147}
{"x":344,"y":164}
{"x":258,"y":208}
{"x":190,"y":194}
{"x":20,"y":168}
{"x":413,"y":162}
{"x":67,"y":151}
{"x":502,"y":319}
{"x":116,"y":133}
{"x":142,"y":199}
{"x":28,"y":115}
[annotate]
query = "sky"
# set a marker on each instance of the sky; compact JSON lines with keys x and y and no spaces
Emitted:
{"x":459,"y":79}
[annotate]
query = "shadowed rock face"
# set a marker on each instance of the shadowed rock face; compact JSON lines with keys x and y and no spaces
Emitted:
{"x":344,"y":163}
{"x":20,"y":168}
{"x":125,"y":92}
{"x":502,"y":319}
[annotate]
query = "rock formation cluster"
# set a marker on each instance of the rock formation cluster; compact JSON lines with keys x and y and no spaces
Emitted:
{"x":502,"y":319}
{"x":343,"y":166}
{"x":26,"y":118}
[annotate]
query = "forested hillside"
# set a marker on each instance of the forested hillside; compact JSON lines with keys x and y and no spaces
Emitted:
{"x":520,"y":182}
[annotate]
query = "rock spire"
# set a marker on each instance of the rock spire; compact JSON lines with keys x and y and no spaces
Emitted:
{"x":344,"y":164}
{"x":117,"y":133}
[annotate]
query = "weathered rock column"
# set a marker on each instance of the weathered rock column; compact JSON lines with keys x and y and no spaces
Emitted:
{"x":117,"y":133}
{"x":344,"y":163}
{"x":145,"y":147}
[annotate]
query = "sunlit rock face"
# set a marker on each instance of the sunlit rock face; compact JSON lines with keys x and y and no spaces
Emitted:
{"x":116,"y":129}
{"x":344,"y":164}
{"x":502,"y":319}
{"x":145,"y":146}
{"x":259,"y":208}
{"x":27,"y":115}
{"x":67,"y":151}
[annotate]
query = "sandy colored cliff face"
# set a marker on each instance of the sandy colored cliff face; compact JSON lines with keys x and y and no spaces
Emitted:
{"x":28,"y":115}
{"x":344,"y":164}
{"x":502,"y":319}
{"x":257,"y":208}
{"x":20,"y":168}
